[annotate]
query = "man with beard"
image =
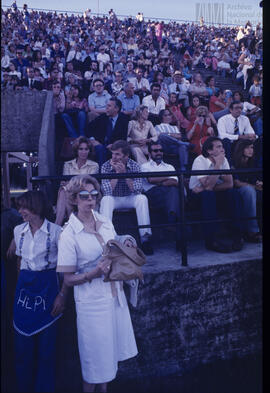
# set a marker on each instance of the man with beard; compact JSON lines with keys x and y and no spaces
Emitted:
{"x":162,"y":192}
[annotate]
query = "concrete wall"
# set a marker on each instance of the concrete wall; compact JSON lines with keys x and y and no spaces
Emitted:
{"x":27,"y":124}
{"x":184,"y":319}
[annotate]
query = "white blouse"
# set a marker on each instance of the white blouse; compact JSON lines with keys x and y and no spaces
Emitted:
{"x":34,"y":250}
{"x":71,"y":168}
{"x":78,"y":248}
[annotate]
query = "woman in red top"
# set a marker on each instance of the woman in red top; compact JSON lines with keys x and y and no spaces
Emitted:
{"x":200,"y":129}
{"x":217,"y":101}
{"x":175,"y":109}
{"x":191,"y":111}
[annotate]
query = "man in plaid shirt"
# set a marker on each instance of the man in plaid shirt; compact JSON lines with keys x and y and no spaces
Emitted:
{"x":125,"y":193}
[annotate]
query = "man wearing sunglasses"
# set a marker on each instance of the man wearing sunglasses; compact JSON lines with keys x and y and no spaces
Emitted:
{"x":162,"y":192}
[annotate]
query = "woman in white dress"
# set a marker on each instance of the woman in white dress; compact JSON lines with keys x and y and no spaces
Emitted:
{"x":105,"y":333}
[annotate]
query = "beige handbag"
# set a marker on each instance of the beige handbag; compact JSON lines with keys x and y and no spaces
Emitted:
{"x":125,"y":261}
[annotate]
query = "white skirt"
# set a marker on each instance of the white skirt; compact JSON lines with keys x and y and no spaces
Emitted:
{"x":105,"y":332}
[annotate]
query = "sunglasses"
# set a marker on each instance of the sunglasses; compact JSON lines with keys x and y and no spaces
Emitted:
{"x":157,"y":150}
{"x":84,"y":195}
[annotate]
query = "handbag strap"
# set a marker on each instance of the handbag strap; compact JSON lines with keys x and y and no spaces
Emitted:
{"x":103,"y":245}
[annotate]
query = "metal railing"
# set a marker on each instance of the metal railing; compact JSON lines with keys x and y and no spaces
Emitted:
{"x":182,"y":224}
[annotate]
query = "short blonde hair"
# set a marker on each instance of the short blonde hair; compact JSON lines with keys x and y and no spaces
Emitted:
{"x":77,"y":184}
{"x":201,"y":110}
{"x":77,"y":142}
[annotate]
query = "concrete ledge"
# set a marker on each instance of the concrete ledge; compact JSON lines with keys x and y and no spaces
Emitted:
{"x":185,"y":318}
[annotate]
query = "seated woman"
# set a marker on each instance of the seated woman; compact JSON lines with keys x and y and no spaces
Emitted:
{"x":210,"y":85}
{"x":175,"y":108}
{"x":169,"y":136}
{"x":191,"y":111}
{"x":76,"y":106}
{"x":104,"y":327}
{"x":79,"y":165}
{"x":200,"y":129}
{"x":138,"y":134}
{"x":217,"y":102}
{"x":249,"y":186}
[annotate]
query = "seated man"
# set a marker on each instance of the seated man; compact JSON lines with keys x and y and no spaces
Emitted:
{"x":141,"y":84}
{"x":107,"y":128}
{"x":154,"y":103}
{"x":162,"y":192}
{"x":169,"y":137}
{"x":98,"y":100}
{"x":211,"y":190}
{"x":233,"y":127}
{"x":181,"y":87}
{"x":125,"y":193}
{"x":130,"y":101}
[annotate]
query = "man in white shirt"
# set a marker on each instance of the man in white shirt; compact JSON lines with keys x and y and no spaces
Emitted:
{"x":102,"y":57}
{"x":154,"y":103}
{"x":234,"y":126}
{"x":180,"y":86}
{"x":213,"y":190}
{"x":170,"y":137}
{"x":141,"y":85}
{"x":162,"y":192}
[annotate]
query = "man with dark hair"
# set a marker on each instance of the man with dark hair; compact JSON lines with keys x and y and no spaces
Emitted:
{"x":30,"y":81}
{"x":213,"y":190}
{"x":233,"y":127}
{"x":107,"y":128}
{"x":125,"y":193}
{"x":162,"y":192}
{"x":154,"y":102}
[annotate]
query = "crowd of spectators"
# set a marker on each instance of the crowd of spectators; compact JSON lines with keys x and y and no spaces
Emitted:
{"x":138,"y":81}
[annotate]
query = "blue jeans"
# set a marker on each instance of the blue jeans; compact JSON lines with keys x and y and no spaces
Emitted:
{"x":174,"y":146}
{"x":37,"y":351}
{"x":81,"y":120}
{"x":165,"y":198}
{"x":258,"y":126}
{"x":228,"y":200}
{"x":248,"y":207}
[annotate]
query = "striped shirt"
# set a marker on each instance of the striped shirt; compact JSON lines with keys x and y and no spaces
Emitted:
{"x":165,"y":128}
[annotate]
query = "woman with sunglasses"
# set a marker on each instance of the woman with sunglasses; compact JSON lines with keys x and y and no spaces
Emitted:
{"x":38,"y":300}
{"x":79,"y":165}
{"x":105,"y":333}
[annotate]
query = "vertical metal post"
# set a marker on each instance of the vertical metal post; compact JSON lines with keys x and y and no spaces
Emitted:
{"x":6,"y":181}
{"x":183,"y":227}
{"x":29,"y":174}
